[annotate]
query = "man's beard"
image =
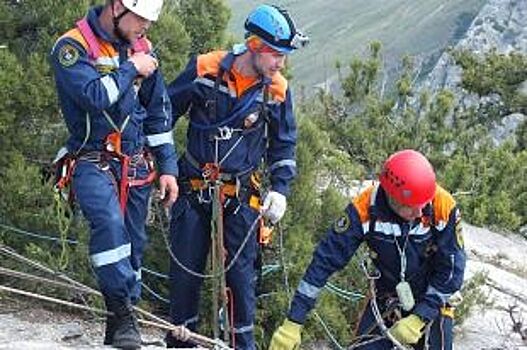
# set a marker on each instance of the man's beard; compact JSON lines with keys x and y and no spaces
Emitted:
{"x":120,"y":35}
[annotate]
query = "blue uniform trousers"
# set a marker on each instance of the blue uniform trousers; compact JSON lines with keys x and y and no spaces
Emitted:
{"x":190,"y":241}
{"x":117,"y":241}
{"x":439,"y":338}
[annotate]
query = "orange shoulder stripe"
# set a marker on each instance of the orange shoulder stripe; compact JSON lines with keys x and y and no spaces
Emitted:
{"x":443,"y":204}
{"x":209,"y":63}
{"x":76,"y":35}
{"x":362,"y":203}
{"x":106,"y":48}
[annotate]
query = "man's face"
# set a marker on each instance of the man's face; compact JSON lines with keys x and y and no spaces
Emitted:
{"x":408,"y":213}
{"x":269,"y":62}
{"x":131,"y":26}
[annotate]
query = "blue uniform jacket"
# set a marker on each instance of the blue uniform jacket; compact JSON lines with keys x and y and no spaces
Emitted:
{"x":238,"y":112}
{"x":434,"y":252}
{"x":87,"y":87}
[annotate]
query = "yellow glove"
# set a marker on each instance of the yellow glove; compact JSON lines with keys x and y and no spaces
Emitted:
{"x":286,"y":337}
{"x":408,"y":330}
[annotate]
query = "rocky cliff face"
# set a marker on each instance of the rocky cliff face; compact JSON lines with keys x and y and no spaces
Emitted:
{"x":501,"y":25}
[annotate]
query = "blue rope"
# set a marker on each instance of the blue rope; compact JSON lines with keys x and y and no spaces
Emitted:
{"x":346,"y":294}
{"x":70,"y":241}
{"x":36,"y":235}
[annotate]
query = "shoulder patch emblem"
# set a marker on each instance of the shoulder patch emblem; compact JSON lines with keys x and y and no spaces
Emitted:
{"x":68,"y":55}
{"x":342,"y":224}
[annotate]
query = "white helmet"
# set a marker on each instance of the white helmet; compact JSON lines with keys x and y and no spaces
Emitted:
{"x":148,"y":9}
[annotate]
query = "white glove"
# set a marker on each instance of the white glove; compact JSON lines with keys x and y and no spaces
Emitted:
{"x":274,"y":206}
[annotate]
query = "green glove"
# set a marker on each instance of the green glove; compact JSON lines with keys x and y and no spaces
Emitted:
{"x":408,"y":330}
{"x":286,"y":337}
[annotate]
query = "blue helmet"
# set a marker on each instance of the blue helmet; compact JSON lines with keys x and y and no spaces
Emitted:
{"x":276,"y":28}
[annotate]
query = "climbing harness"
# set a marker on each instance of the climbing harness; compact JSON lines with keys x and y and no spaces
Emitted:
{"x":217,"y":188}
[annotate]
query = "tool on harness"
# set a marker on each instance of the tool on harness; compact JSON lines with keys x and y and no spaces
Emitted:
{"x":265,"y":232}
{"x":64,"y":165}
{"x":113,"y":147}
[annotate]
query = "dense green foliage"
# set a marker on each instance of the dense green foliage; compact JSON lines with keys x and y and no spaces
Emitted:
{"x":342,"y":138}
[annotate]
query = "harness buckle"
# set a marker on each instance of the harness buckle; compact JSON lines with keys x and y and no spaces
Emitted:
{"x":211,"y":172}
{"x":201,"y":197}
{"x":112,"y":143}
{"x":224,"y":133}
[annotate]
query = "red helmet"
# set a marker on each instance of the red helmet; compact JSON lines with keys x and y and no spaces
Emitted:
{"x":409,"y":178}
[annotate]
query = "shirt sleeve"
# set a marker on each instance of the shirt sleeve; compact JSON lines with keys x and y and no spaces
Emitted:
{"x":281,"y":154}
{"x":448,"y":269}
{"x":332,"y":254}
{"x":158,"y":124}
{"x":85,"y":85}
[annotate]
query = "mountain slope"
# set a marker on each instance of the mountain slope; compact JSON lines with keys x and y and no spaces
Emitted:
{"x":342,"y":29}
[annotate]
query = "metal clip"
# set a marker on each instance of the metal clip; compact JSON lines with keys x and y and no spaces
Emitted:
{"x":224,"y":133}
{"x":202,"y":199}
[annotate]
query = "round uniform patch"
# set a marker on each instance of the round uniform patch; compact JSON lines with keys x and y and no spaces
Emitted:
{"x":342,"y":224}
{"x":68,"y":55}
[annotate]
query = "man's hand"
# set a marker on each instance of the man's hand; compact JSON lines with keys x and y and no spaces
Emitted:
{"x":168,"y":189}
{"x":144,"y":63}
{"x":286,"y":337}
{"x":274,"y":206}
{"x":408,"y":330}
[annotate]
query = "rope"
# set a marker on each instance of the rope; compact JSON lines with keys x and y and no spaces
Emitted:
{"x":74,"y":285}
{"x":375,"y":307}
{"x":328,"y":331}
{"x":156,"y":295}
{"x":62,"y":211}
{"x":345,"y":294}
{"x":10,"y":252}
{"x":195,"y":273}
{"x":36,"y":235}
{"x":194,"y":337}
{"x":27,"y":276}
{"x":69,"y":241}
{"x":155,"y":273}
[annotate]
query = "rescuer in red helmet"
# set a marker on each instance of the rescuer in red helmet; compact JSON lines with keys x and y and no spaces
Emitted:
{"x":411,"y":226}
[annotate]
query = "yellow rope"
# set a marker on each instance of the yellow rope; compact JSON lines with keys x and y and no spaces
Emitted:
{"x":64,"y":214}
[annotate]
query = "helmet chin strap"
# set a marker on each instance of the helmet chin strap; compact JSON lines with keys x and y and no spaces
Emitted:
{"x":116,"y":19}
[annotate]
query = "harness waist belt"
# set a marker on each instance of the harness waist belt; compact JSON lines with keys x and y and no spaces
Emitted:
{"x":229,"y":189}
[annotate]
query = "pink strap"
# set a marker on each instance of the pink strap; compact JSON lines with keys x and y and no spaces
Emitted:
{"x":93,"y":45}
